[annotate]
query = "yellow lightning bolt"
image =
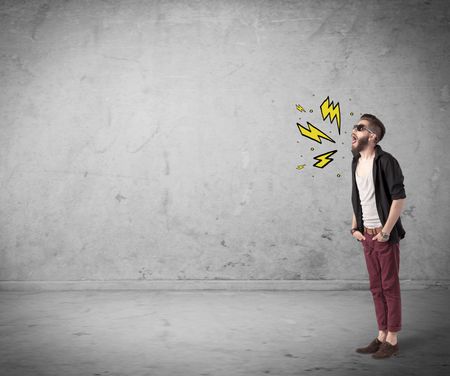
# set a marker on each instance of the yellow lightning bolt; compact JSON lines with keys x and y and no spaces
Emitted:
{"x":332,"y":111}
{"x":301,"y":166}
{"x":323,"y":159}
{"x":300,"y":108}
{"x":313,"y":133}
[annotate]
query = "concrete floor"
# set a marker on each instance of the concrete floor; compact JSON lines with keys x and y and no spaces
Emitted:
{"x":215,"y":333}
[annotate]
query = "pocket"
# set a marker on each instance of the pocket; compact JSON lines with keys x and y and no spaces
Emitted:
{"x":384,"y":246}
{"x":364,"y":241}
{"x":365,"y":235}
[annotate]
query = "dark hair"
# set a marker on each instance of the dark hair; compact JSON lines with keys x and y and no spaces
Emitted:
{"x":376,"y":124}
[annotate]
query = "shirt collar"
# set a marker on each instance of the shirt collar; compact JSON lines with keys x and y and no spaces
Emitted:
{"x":378,"y":152}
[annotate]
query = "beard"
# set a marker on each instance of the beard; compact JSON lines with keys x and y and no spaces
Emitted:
{"x":361,"y":144}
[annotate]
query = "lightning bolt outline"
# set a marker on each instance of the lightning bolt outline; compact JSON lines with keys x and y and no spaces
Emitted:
{"x":300,"y":108}
{"x":325,"y":157}
{"x":335,"y":114}
{"x":310,"y":133}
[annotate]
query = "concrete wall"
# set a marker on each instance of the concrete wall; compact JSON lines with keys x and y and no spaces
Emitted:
{"x":158,"y":140}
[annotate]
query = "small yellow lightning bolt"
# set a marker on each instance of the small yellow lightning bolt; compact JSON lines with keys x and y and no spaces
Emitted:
{"x":301,"y":166}
{"x":323,"y":159}
{"x":300,"y":108}
{"x":313,"y":133}
{"x":328,"y":109}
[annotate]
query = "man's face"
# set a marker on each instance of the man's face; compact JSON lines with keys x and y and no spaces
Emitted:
{"x":360,"y":139}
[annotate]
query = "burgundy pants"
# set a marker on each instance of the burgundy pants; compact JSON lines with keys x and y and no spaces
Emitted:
{"x":383,"y":264}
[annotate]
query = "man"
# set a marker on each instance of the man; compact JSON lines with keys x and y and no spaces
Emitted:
{"x":378,"y":196}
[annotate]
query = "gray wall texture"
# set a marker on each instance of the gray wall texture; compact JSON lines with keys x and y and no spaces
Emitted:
{"x":158,"y":139}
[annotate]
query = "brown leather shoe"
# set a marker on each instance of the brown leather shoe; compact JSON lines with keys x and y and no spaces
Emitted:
{"x":371,"y":348}
{"x":386,"y":350}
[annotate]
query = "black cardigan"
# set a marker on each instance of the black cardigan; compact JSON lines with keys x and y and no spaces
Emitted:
{"x":388,"y":183}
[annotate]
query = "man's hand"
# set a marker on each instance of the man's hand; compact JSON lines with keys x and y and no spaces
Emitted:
{"x":379,"y":238}
{"x":358,"y":236}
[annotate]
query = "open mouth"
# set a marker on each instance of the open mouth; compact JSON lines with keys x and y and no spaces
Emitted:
{"x":354,"y":139}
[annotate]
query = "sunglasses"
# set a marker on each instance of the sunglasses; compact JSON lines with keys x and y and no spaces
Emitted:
{"x":362,"y":127}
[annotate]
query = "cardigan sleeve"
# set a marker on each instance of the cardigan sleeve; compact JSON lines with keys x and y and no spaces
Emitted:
{"x":394,"y":178}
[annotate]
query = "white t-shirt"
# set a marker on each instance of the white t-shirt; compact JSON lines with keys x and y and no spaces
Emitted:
{"x":366,"y":190}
